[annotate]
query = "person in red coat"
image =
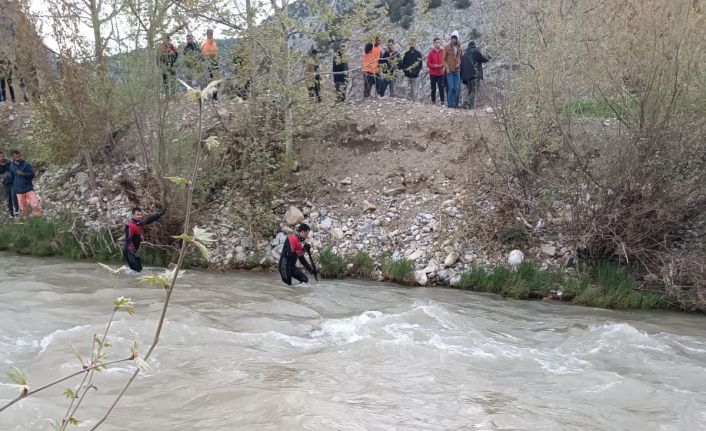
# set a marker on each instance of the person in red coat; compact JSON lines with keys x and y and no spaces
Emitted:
{"x":435,"y":63}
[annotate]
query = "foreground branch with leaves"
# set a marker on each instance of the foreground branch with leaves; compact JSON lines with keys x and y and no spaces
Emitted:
{"x":198,"y":238}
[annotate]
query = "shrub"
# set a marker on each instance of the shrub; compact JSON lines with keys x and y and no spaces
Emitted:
{"x":362,"y":265}
{"x":331,"y":264}
{"x":399,"y":271}
{"x":462,"y":4}
{"x":433,"y":4}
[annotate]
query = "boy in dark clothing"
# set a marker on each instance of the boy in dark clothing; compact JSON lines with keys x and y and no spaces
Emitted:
{"x":468,"y":77}
{"x":315,"y":78}
{"x":6,"y":176}
{"x":167,"y":58}
{"x":133,"y":236}
{"x":477,"y":59}
{"x":388,"y":63}
{"x":340,"y":74}
{"x":192,"y":61}
{"x":411,"y":66}
{"x":294,"y":248}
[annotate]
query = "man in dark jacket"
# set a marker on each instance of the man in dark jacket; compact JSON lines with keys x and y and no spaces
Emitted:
{"x":6,"y":176}
{"x":167,"y":59}
{"x":468,"y":77}
{"x":478,"y":59}
{"x":22,"y":175}
{"x":314,"y":78}
{"x":133,"y":236}
{"x":411,"y":66}
{"x":389,"y":63}
{"x":192,"y":60}
{"x":340,"y":73}
{"x":293,"y":250}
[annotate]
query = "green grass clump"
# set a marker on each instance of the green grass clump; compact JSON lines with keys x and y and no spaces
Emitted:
{"x":527,"y":281}
{"x":332,"y":265}
{"x":615,"y":288}
{"x":400,"y":271}
{"x":606,"y":286}
{"x":362,"y":265}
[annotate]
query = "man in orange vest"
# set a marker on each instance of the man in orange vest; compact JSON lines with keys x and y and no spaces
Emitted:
{"x":209,"y":50}
{"x":370,"y":70}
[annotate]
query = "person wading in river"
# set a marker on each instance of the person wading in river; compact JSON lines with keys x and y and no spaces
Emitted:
{"x":133,"y":236}
{"x":294,"y":248}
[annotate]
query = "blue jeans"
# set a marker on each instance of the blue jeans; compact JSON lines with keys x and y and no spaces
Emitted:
{"x":454,"y":82}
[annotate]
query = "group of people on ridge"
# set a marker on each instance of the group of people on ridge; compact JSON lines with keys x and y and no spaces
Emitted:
{"x":448,"y":66}
{"x":198,"y":59}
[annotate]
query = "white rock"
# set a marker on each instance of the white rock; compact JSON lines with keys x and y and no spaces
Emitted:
{"x":416,"y":254}
{"x":420,"y":277}
{"x":326,"y":223}
{"x":451,"y":259}
{"x":347,"y":181}
{"x":432,"y":267}
{"x":337,"y":233}
{"x":94,"y":200}
{"x":368,"y":207}
{"x":515,"y":258}
{"x":293,"y":216}
{"x":548,"y":250}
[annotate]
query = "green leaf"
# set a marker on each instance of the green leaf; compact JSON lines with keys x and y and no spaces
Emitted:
{"x":204,"y":251}
{"x":212,"y":143}
{"x":74,"y":421}
{"x":179,"y":181}
{"x":144,"y":366}
{"x":184,"y":237}
{"x":125,"y":304}
{"x":154,"y":279}
{"x":203,"y":236}
{"x":18,"y":376}
{"x":69,"y":393}
{"x":76,"y":353}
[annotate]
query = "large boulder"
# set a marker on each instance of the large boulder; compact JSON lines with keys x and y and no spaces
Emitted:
{"x":293,"y":216}
{"x":420,"y":277}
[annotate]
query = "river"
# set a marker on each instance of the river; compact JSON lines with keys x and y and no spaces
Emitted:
{"x":242,"y":351}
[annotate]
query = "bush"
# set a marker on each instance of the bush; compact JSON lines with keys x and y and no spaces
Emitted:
{"x":400,"y":271}
{"x":462,"y":4}
{"x":627,"y":187}
{"x":433,"y":4}
{"x":362,"y":265}
{"x":331,"y":264}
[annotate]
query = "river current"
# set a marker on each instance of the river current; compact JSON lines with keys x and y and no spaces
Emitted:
{"x":241,"y":351}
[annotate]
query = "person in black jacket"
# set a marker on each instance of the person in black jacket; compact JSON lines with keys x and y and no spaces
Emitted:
{"x":133,"y":236}
{"x":6,"y":175}
{"x":478,"y":59}
{"x":411,"y":66}
{"x":468,"y":77}
{"x":314,"y":78}
{"x":192,"y":61}
{"x":294,"y":249}
{"x":340,"y":73}
{"x":389,"y":63}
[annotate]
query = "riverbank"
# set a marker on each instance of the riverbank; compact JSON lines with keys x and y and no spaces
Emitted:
{"x":604,"y":286}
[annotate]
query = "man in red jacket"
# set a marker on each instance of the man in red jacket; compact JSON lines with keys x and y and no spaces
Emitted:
{"x":294,"y":248}
{"x":435,"y":63}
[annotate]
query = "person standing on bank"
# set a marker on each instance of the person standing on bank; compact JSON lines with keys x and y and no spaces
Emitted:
{"x":293,"y":250}
{"x":478,"y":60}
{"x":411,"y":66}
{"x":435,"y":63}
{"x":133,"y":236}
{"x":452,"y":64}
{"x":340,"y":73}
{"x":22,"y":187}
{"x":6,"y":176}
{"x":468,"y":77}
